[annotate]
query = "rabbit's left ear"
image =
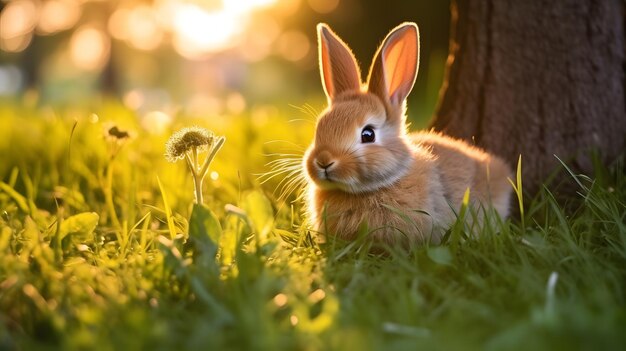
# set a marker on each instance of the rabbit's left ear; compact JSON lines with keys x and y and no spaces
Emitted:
{"x":395,"y":64}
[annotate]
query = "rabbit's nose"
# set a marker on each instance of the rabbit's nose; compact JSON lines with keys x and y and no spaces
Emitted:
{"x":324,"y":160}
{"x":324,"y":165}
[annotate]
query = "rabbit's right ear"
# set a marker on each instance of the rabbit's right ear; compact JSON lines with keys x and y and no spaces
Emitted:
{"x":338,"y":66}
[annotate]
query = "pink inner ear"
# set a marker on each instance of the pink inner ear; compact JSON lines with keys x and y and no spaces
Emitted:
{"x":326,"y":70}
{"x":400,"y":65}
{"x":338,"y":67}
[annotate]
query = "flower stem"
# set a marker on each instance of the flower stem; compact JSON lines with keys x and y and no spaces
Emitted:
{"x":191,"y":165}
{"x":198,"y":173}
{"x":194,"y":157}
{"x":209,"y":158}
{"x":108,"y":195}
{"x":197,"y":182}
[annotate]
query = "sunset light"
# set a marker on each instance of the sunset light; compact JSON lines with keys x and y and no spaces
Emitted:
{"x":58,"y":15}
{"x":141,"y":28}
{"x":89,"y":48}
{"x":196,"y":29}
{"x":198,"y":32}
{"x":17,"y":21}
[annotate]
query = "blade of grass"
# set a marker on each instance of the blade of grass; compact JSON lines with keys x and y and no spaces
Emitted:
{"x":19,"y":199}
{"x":517,"y":187}
{"x":168,"y":211}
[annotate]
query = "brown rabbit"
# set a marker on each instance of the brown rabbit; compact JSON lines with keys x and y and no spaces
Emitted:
{"x":363,"y":168}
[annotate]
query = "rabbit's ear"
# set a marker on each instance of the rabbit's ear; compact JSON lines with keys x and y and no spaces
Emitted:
{"x":338,"y":67}
{"x":395,"y":64}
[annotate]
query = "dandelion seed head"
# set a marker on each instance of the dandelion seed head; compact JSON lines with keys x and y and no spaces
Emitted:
{"x":118,"y":133}
{"x":114,"y":133}
{"x":185,"y":140}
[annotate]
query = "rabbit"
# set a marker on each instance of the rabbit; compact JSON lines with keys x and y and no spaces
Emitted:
{"x":363,"y":168}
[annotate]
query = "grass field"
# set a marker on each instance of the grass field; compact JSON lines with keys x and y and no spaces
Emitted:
{"x":98,"y":251}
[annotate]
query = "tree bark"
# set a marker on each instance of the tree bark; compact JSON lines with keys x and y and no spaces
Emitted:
{"x":537,"y":78}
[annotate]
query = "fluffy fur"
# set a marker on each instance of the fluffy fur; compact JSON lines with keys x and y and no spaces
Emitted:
{"x":403,"y":187}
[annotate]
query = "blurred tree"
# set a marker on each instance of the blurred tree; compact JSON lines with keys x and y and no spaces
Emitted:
{"x":537,"y":78}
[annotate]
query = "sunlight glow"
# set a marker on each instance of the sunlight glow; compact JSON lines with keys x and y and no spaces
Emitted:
{"x":194,"y":29}
{"x":17,"y":21}
{"x":156,"y":122}
{"x":198,"y":32}
{"x":317,"y":296}
{"x":119,"y":23}
{"x":139,"y":27}
{"x":18,"y":18}
{"x":89,"y":48}
{"x":16,"y":44}
{"x":293,"y":45}
{"x":58,"y":15}
{"x":280,"y":300}
{"x":134,"y":99}
{"x":260,"y":36}
{"x":144,"y":32}
{"x":293,"y":319}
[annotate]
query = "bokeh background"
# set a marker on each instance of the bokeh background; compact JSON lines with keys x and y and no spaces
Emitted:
{"x":201,"y":58}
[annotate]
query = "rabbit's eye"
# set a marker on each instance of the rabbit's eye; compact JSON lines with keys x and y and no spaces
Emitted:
{"x":367,"y":135}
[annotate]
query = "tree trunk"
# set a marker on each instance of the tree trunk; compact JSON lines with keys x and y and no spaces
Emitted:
{"x":537,"y":78}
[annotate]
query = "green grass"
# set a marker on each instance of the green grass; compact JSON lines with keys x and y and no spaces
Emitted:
{"x":93,"y":257}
